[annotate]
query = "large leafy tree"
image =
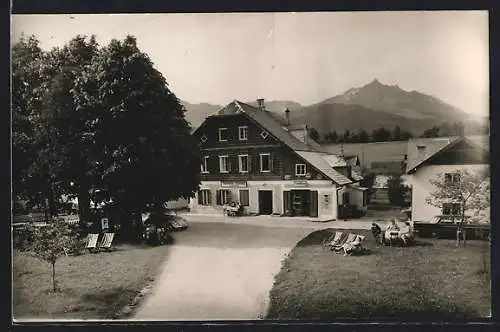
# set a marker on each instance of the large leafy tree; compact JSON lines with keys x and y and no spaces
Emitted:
{"x":67,"y":150}
{"x":146,"y":153}
{"x":24,"y":102}
{"x":471,"y":190}
{"x":49,"y":151}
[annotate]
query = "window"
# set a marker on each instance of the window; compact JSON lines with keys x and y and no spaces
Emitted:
{"x":452,"y":178}
{"x":300,"y":169}
{"x":243,"y":133}
{"x":244,"y":197}
{"x":204,"y":197}
{"x":243,"y":163}
{"x":223,"y":134}
{"x":345,"y":198}
{"x":450,"y":209}
{"x":264,"y":134}
{"x":224,"y":165}
{"x":204,"y":165}
{"x":265,"y":162}
{"x":365,"y":198}
{"x":223,"y":197}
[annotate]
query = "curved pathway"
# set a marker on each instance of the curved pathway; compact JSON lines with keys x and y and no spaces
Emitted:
{"x":219,"y":271}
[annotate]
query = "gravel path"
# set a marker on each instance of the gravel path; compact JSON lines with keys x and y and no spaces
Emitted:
{"x":218,"y":271}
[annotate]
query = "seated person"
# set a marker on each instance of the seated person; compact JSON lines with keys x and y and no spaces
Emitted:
{"x":392,"y":231}
{"x":350,"y":248}
{"x":377,"y":232}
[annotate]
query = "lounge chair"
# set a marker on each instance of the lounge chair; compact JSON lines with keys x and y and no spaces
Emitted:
{"x":106,"y":241}
{"x":92,"y":242}
{"x":342,"y":239}
{"x":327,"y":240}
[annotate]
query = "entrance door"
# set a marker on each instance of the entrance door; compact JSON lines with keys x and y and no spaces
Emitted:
{"x":265,"y":202}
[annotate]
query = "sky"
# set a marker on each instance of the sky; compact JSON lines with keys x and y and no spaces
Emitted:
{"x":303,"y":57}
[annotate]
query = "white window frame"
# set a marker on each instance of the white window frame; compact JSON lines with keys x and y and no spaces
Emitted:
{"x":270,"y":162}
{"x":205,"y":194}
{"x":243,"y":129}
{"x":221,"y":158}
{"x":204,"y":165}
{"x":240,"y":163}
{"x":220,"y":136}
{"x":297,"y":166}
{"x":454,"y":177}
{"x":264,"y":134}
{"x":224,"y":196}
{"x":203,"y":138}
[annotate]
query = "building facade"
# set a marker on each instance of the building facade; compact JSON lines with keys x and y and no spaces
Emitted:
{"x":249,"y":155}
{"x":429,"y":158}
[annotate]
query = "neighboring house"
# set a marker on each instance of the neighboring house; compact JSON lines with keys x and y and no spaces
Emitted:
{"x":251,"y":156}
{"x":429,"y":157}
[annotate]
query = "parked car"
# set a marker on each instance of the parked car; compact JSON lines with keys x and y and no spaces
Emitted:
{"x":446,"y":227}
{"x":175,"y":222}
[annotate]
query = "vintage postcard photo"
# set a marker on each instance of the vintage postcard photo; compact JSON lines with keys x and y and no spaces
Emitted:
{"x":251,"y":166}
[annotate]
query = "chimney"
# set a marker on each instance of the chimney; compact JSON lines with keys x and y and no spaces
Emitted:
{"x":420,"y":151}
{"x":287,"y":116}
{"x":260,"y":104}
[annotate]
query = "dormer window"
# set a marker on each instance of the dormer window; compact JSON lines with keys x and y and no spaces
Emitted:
{"x":264,"y":134}
{"x":243,"y":133}
{"x":223,"y":134}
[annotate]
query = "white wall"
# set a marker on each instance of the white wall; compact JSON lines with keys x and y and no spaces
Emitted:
{"x":324,"y":187}
{"x":420,"y":181}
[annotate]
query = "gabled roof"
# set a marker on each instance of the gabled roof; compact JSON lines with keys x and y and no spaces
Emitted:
{"x":270,"y":123}
{"x":274,"y":125}
{"x":433,"y":147}
{"x":316,"y":159}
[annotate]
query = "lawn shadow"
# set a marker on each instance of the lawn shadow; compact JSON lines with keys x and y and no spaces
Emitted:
{"x":106,"y":303}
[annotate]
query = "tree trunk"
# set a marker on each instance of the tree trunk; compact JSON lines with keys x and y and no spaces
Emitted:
{"x":52,"y":200}
{"x":54,"y":276}
{"x":83,"y":206}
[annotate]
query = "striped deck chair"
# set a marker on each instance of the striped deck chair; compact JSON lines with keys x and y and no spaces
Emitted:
{"x":106,"y":241}
{"x":338,"y":238}
{"x":92,"y":242}
{"x":346,"y":238}
{"x":327,"y":240}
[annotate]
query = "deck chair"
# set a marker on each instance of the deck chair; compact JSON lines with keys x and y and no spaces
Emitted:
{"x":92,"y":242}
{"x":106,"y":241}
{"x":338,"y":239}
{"x":346,"y":238}
{"x":328,"y":239}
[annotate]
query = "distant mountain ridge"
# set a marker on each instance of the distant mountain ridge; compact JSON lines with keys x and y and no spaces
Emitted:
{"x":368,"y":107}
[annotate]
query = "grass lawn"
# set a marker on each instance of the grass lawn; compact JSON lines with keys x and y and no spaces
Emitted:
{"x":434,"y":280}
{"x":92,"y":286}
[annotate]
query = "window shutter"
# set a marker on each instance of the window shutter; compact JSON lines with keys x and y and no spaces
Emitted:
{"x":314,"y":203}
{"x":249,"y":162}
{"x":199,"y":197}
{"x":218,"y":197}
{"x":271,"y":162}
{"x":229,"y":196}
{"x":209,"y":197}
{"x":287,"y":202}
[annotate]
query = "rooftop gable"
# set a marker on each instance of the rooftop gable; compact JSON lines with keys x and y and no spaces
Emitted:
{"x":422,"y":151}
